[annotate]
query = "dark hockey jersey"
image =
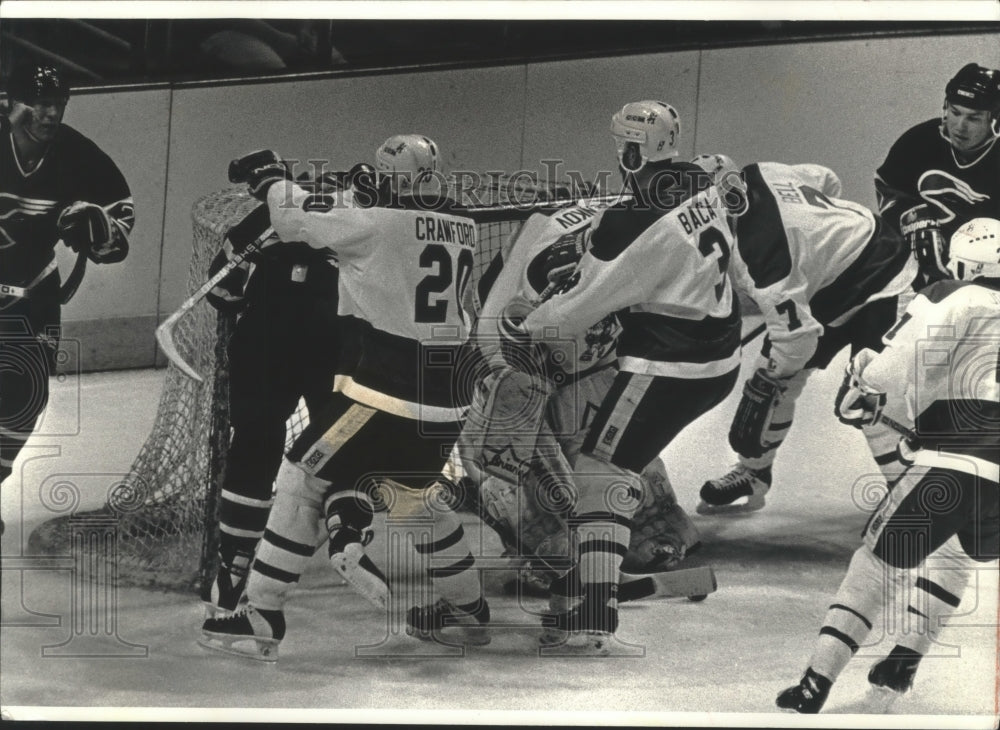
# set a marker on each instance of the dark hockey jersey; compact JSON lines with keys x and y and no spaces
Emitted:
{"x":662,"y":267}
{"x":921,"y":167}
{"x":73,"y":169}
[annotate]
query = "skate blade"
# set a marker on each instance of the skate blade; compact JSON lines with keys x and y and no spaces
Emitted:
{"x":879,"y":700}
{"x":368,"y":586}
{"x":454,"y":635}
{"x":262,"y":650}
{"x":581,"y":643}
{"x":752,"y":504}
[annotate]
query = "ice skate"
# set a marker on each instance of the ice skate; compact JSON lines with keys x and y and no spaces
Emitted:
{"x":741,"y":490}
{"x":355,"y":567}
{"x":445,"y":623}
{"x":250,"y":632}
{"x":889,"y":680}
{"x":808,"y":696}
{"x":587,"y":628}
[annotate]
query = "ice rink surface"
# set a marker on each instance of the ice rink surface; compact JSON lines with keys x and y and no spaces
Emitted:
{"x":718,"y":662}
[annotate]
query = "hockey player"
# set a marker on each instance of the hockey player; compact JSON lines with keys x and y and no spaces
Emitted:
{"x":579,"y":372}
{"x":403,"y":339}
{"x":55,"y":185}
{"x":939,"y":365}
{"x":945,"y":171}
{"x":826,"y":274}
{"x":283,"y":347}
{"x":659,"y":260}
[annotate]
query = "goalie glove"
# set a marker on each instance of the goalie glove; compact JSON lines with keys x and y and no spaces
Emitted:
{"x":753,"y":415}
{"x":859,"y":404}
{"x":922,"y":231}
{"x":88,"y":228}
{"x":259,"y":170}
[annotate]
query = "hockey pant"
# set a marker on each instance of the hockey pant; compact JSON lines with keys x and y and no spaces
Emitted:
{"x":347,"y":464}
{"x":637,"y":419}
{"x":277,"y":354}
{"x":920,"y":548}
{"x":29,"y":340}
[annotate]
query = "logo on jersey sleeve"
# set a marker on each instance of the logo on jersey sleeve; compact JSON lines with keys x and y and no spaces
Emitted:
{"x":948,"y":193}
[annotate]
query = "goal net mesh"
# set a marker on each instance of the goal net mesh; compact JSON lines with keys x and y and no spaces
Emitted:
{"x":165,"y":511}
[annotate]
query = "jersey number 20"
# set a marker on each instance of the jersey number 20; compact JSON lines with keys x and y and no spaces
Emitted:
{"x":435,"y":256}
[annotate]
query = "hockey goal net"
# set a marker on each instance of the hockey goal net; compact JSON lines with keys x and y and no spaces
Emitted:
{"x":165,"y":511}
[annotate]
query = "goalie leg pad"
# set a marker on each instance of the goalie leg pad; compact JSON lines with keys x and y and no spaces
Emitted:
{"x":662,"y":532}
{"x":513,"y":411}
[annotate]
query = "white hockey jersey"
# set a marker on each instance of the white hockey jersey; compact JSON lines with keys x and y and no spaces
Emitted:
{"x":664,"y":273}
{"x":942,"y":359}
{"x":522,"y":276}
{"x":402,"y":275}
{"x":809,"y":259}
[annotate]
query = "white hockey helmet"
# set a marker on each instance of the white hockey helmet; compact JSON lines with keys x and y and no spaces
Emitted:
{"x":645,"y":131}
{"x":974,"y":251}
{"x":728,"y":178}
{"x":407,"y":160}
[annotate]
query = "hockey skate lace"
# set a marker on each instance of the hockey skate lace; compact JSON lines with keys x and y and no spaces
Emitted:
{"x":737,"y":477}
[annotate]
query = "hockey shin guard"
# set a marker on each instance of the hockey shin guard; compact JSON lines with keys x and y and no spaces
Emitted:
{"x":290,"y":538}
{"x":934,"y":596}
{"x":443,"y":548}
{"x":868,"y":590}
{"x":608,"y":498}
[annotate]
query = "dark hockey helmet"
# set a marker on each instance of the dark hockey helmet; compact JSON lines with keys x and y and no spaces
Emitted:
{"x":976,"y":87}
{"x":31,"y":83}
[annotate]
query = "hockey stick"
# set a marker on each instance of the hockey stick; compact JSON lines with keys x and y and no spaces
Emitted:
{"x":692,"y":583}
{"x":165,"y":332}
{"x":752,"y":334}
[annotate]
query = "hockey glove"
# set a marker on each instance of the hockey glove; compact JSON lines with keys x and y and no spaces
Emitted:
{"x":229,"y":295}
{"x":259,"y":170}
{"x":857,"y":403}
{"x":922,"y":231}
{"x":251,"y":229}
{"x":84,"y":226}
{"x":753,"y":415}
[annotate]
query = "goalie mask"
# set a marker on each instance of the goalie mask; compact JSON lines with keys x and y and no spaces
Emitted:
{"x":407,"y":160}
{"x":728,"y":178}
{"x":974,"y":252}
{"x":645,"y":131}
{"x":976,"y":87}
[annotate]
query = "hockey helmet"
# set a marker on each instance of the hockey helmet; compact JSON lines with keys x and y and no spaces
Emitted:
{"x":645,"y":131}
{"x":974,"y":252}
{"x":976,"y":87}
{"x":30,"y":83}
{"x":407,"y":160}
{"x":728,"y":178}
